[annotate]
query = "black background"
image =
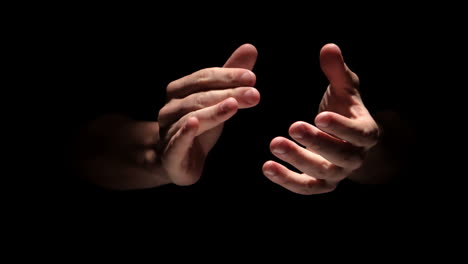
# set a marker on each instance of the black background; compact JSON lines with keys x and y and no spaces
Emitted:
{"x":122,"y":63}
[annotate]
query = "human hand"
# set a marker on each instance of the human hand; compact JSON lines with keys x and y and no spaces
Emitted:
{"x":198,"y":105}
{"x":118,"y":152}
{"x":337,"y":145}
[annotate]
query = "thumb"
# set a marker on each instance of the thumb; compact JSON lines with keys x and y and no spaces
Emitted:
{"x":243,"y":57}
{"x":333,"y":66}
{"x":176,"y":155}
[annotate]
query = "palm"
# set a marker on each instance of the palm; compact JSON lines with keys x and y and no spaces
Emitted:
{"x":346,"y":104}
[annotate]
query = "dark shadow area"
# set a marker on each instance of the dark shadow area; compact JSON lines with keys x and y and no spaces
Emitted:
{"x":98,"y":68}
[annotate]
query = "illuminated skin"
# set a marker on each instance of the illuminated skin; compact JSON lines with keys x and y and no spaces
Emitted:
{"x":336,"y":146}
{"x":117,"y":152}
{"x":199,"y":105}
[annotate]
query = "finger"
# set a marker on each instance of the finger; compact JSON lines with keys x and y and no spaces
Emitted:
{"x":177,"y":108}
{"x":210,"y":79}
{"x":181,"y":170}
{"x":336,"y":151}
{"x":362,"y":132}
{"x":209,"y":117}
{"x":304,"y":160}
{"x":243,"y":57}
{"x":295,"y":182}
{"x":342,"y":79}
{"x":246,"y":97}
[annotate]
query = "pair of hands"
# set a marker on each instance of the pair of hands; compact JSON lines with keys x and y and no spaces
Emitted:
{"x":141,"y":154}
{"x":200,"y":103}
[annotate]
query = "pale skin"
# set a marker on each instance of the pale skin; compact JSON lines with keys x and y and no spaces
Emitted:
{"x":336,"y":146}
{"x":117,"y":152}
{"x":346,"y":141}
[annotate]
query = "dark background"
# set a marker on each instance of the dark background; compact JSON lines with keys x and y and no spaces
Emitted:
{"x":122,"y":63}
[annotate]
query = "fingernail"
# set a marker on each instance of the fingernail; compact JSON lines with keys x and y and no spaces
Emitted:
{"x":247,"y":78}
{"x":299,"y":133}
{"x":322,"y":123}
{"x":249,"y":96}
{"x":270,"y":174}
{"x":279,"y":150}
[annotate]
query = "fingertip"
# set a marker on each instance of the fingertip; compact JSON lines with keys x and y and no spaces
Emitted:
{"x":297,"y":129}
{"x":192,"y":121}
{"x":267,"y":165}
{"x":297,"y":125}
{"x":331,"y":47}
{"x":252,"y":96}
{"x":269,"y":169}
{"x":280,"y":146}
{"x":248,"y":47}
{"x":248,"y":78}
{"x":330,"y":57}
{"x":248,"y":50}
{"x":276,"y":141}
{"x":228,"y":105}
{"x":323,"y":119}
{"x":331,"y":51}
{"x":243,"y":57}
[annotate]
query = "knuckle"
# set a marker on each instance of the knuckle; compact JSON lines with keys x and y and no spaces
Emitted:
{"x":323,"y":169}
{"x":199,"y":101}
{"x":231,"y":76}
{"x":200,"y":77}
{"x":215,"y":116}
{"x":369,"y":137}
{"x":201,"y":74}
{"x":314,"y":186}
{"x":309,"y":186}
{"x":205,"y":75}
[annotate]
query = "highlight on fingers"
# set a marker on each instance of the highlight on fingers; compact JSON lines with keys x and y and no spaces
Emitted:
{"x":208,"y":117}
{"x":311,"y":163}
{"x":214,"y":78}
{"x":243,"y":57}
{"x":363,"y":132}
{"x":340,"y":153}
{"x":246,"y":97}
{"x":295,"y":182}
{"x":215,"y":115}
